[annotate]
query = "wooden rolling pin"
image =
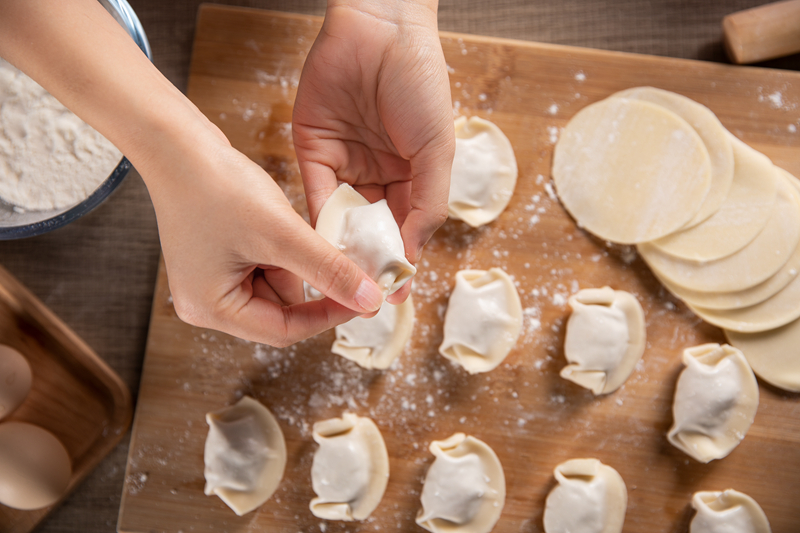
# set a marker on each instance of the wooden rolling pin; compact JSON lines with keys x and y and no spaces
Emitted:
{"x":762,"y":33}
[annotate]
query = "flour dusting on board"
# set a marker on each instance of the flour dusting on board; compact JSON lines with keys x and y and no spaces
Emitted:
{"x":523,"y":409}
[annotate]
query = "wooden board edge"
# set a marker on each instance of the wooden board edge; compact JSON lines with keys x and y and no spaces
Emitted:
{"x":206,"y":8}
{"x":161,"y":278}
{"x":209,"y":9}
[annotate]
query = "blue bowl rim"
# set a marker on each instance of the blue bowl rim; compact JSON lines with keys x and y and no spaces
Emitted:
{"x":135,"y":30}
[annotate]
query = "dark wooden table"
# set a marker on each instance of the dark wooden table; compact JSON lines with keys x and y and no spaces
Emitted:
{"x":98,"y":273}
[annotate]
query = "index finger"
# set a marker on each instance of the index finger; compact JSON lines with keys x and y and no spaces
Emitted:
{"x":319,"y":182}
{"x":430,"y":189}
{"x":266,"y":322}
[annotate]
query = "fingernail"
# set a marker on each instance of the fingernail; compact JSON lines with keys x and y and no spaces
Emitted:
{"x":368,"y":296}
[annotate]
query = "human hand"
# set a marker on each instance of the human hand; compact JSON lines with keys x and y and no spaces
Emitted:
{"x":232,"y":244}
{"x":373,"y":109}
{"x":234,"y":247}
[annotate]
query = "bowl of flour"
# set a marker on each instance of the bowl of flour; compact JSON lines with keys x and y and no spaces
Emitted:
{"x":54,"y":168}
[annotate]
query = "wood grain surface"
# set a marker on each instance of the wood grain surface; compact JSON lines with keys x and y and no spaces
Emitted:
{"x":244,"y":70}
{"x":98,"y":273}
{"x":74,"y":394}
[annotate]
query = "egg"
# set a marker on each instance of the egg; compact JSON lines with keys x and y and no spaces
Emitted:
{"x":35,"y":468}
{"x":15,"y":380}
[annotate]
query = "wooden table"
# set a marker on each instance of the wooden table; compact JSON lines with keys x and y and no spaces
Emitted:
{"x":98,"y":273}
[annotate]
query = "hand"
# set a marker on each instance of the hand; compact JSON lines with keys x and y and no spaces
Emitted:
{"x":373,"y":110}
{"x":234,"y":247}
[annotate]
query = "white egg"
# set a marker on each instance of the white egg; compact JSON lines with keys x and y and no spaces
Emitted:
{"x":35,"y":468}
{"x":15,"y":380}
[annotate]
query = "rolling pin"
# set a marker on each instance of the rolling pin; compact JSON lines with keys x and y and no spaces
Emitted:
{"x":762,"y":33}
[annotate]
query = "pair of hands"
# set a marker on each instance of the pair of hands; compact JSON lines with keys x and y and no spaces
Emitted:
{"x":372,"y":109}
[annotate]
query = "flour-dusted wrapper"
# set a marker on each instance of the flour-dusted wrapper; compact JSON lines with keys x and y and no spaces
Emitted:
{"x":483,"y":320}
{"x":630,"y":171}
{"x":605,"y":339}
{"x":350,"y":469}
{"x":376,"y":342}
{"x":465,"y":487}
{"x":590,"y":498}
{"x":772,"y":354}
{"x":727,"y":511}
{"x":715,"y":137}
{"x":367,"y":234}
{"x":245,"y":455}
{"x":715,"y":402}
{"x":484,"y":172}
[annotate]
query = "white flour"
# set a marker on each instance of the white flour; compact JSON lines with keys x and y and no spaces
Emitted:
{"x":49,"y":158}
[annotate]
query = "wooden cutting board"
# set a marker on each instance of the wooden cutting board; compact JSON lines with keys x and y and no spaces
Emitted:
{"x":245,"y":69}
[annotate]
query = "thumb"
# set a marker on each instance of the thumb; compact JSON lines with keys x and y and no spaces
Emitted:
{"x":329,"y":271}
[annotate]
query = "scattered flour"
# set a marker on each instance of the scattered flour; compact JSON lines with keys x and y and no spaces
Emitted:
{"x":552,"y":131}
{"x":580,"y":76}
{"x":551,"y":192}
{"x":49,"y":158}
{"x":553,"y":109}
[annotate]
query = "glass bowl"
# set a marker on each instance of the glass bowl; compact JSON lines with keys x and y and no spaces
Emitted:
{"x":16,"y":224}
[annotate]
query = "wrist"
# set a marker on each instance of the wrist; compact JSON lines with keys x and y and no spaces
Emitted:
{"x":165,"y":135}
{"x":423,"y":12}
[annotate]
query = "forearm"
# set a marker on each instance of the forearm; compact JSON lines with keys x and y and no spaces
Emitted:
{"x":79,"y":53}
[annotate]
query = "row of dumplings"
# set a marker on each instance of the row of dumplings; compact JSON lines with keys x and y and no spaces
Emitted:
{"x":484,"y":314}
{"x":481,"y":325}
{"x":35,"y":468}
{"x":463,"y":491}
{"x":605,"y":339}
{"x":716,"y":221}
{"x":245,"y":457}
{"x":716,"y":396}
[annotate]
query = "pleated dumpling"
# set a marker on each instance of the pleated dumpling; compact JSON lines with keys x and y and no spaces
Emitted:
{"x":727,"y":511}
{"x":465,"y":487}
{"x":484,"y":172}
{"x":715,"y":402}
{"x":590,"y":498}
{"x":605,"y":339}
{"x":350,"y":469}
{"x":245,"y":455}
{"x":368,"y":234}
{"x":483,"y":320}
{"x":376,"y":342}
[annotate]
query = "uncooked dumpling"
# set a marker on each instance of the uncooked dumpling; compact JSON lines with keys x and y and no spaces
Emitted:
{"x":483,"y":320}
{"x":715,"y":402}
{"x":630,"y":171}
{"x":590,"y":498}
{"x":350,"y":469}
{"x":15,"y":380}
{"x":35,"y":468}
{"x":484,"y":172}
{"x":367,"y":234}
{"x":727,"y":511}
{"x":605,"y":339}
{"x":465,"y":488}
{"x":245,"y":455}
{"x":376,"y":342}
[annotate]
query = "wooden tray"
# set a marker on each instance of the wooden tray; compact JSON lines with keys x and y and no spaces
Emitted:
{"x":244,"y":71}
{"x":74,"y":394}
